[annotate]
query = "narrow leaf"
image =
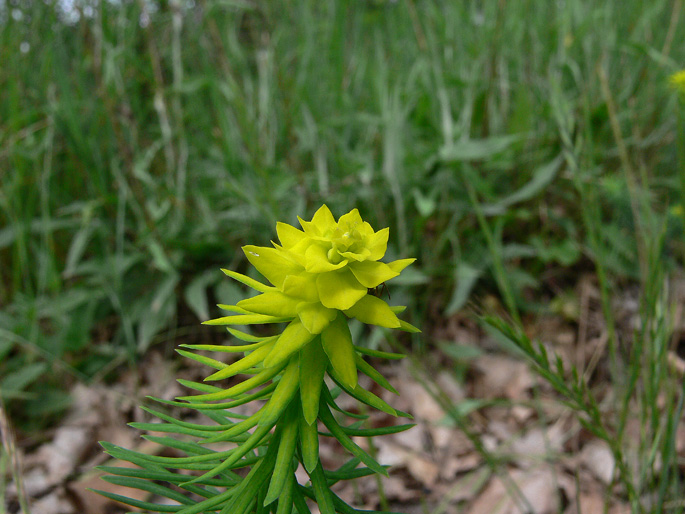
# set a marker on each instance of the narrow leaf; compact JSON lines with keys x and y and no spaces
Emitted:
{"x":284,"y":392}
{"x":238,"y":453}
{"x":309,"y":445}
{"x":332,"y":425}
{"x":378,"y":353}
{"x":242,"y":387}
{"x":225,"y":348}
{"x":207,"y":361}
{"x":286,"y":449}
{"x":374,"y":375}
{"x":243,"y":364}
{"x":294,"y":337}
{"x":324,"y":498}
{"x":313,"y":363}
{"x":245,"y":319}
{"x":249,"y":282}
{"x":337,"y":343}
{"x":154,"y":507}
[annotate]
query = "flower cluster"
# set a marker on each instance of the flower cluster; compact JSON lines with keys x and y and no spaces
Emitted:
{"x":320,"y":275}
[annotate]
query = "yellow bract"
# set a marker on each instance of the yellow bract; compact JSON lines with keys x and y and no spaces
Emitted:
{"x":328,"y":265}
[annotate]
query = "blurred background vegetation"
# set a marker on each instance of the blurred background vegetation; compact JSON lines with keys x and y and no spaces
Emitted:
{"x":510,"y":146}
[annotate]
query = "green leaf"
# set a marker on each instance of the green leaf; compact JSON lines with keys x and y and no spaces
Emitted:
{"x":236,"y":430}
{"x":339,"y":289}
{"x":379,"y":354}
{"x":249,"y":282}
{"x":207,"y":361}
{"x":150,"y":487}
{"x":373,"y":432}
{"x":332,"y":425}
{"x":237,"y":453}
{"x":168,"y":428}
{"x":476,"y":149}
{"x":246,"y":319}
{"x":328,"y":397}
{"x":299,"y":500}
{"x":309,"y":444}
{"x":153,"y":507}
{"x":233,"y":308}
{"x":209,"y":407}
{"x":17,"y":381}
{"x":348,"y":471}
{"x":466,"y":276}
{"x":188,"y":447}
{"x":373,"y":374}
{"x":408,"y":327}
{"x":324,"y":498}
{"x":242,"y":387}
{"x":285,"y":501}
{"x":250,"y":360}
{"x":542,"y":177}
{"x":248,"y":492}
{"x":273,"y":303}
{"x":197,"y":386}
{"x":130,"y":456}
{"x":368,"y":398}
{"x":160,"y":311}
{"x":337,"y":343}
{"x":207,"y":504}
{"x":374,"y":311}
{"x":294,"y":337}
{"x":195,"y":294}
{"x":284,"y":392}
{"x":313,"y":363}
{"x":286,"y":449}
{"x":182,"y":462}
{"x":196,"y":426}
{"x":226,"y":348}
{"x":166,"y":476}
{"x":244,"y":336}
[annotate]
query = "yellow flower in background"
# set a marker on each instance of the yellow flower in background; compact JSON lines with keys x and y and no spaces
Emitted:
{"x":677,"y":80}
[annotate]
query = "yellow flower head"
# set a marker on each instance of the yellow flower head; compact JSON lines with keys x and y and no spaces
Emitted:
{"x":324,"y":267}
{"x":321,"y":275}
{"x":677,"y":80}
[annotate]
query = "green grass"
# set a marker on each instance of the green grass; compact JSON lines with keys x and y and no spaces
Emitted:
{"x":509,"y":146}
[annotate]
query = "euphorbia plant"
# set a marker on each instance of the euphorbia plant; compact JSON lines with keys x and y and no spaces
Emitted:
{"x":320,"y":276}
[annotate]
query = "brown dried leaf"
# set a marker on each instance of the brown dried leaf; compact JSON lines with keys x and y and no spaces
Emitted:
{"x":502,"y":376}
{"x":537,"y":486}
{"x":598,"y":459}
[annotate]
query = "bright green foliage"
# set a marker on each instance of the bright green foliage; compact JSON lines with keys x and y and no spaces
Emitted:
{"x":321,"y":276}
